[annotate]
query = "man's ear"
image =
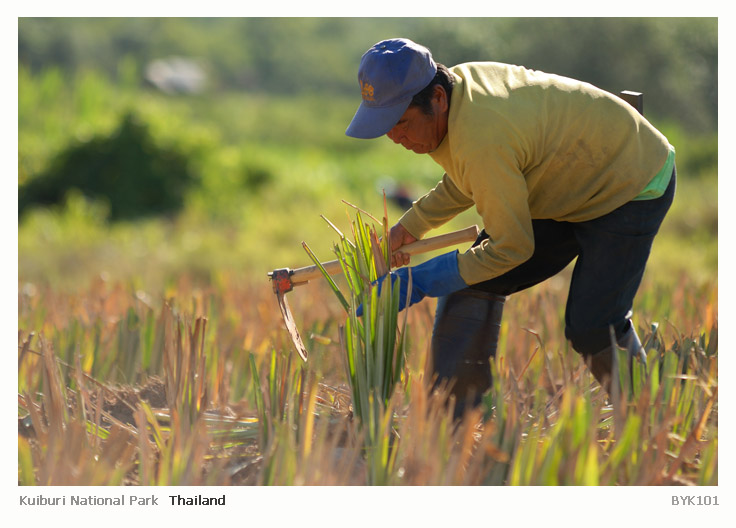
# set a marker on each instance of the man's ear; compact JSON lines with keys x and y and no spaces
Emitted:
{"x":439,"y":97}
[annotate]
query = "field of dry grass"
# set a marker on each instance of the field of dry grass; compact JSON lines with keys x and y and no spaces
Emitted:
{"x":199,"y":386}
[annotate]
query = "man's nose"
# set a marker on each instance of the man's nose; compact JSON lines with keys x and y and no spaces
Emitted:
{"x":394,"y":135}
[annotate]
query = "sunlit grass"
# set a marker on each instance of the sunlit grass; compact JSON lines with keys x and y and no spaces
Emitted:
{"x":105,"y":310}
{"x":217,"y":347}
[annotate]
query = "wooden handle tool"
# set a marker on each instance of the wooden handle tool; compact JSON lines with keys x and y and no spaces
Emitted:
{"x":284,"y":279}
{"x":469,"y":234}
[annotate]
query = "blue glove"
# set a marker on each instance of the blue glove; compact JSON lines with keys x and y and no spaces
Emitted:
{"x":436,"y":277}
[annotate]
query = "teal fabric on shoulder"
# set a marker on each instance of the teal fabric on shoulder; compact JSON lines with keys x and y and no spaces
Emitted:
{"x":658,"y":185}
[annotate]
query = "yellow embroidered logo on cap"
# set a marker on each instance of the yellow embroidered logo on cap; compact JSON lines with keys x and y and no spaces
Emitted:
{"x":366,"y":90}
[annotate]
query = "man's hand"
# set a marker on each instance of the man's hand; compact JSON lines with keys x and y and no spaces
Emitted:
{"x":399,"y":236}
{"x":434,"y":278}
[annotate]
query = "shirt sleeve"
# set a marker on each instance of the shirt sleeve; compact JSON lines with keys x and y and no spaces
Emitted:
{"x":500,"y":195}
{"x":435,"y":208}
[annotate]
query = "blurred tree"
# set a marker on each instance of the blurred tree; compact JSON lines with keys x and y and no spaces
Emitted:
{"x":127,"y":170}
{"x":672,"y":60}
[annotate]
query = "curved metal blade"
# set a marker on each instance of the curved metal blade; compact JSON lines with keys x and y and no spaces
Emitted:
{"x":296,"y":339}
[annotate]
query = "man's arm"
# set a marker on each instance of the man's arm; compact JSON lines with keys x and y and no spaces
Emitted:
{"x":435,"y":208}
{"x":501,"y":198}
{"x":431,"y":210}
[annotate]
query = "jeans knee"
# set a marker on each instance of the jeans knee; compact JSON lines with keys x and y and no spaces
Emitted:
{"x":587,"y":342}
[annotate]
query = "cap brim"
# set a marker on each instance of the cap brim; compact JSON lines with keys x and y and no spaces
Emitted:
{"x":371,"y":122}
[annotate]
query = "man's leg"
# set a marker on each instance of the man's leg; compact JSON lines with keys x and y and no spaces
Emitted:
{"x":467,"y":323}
{"x":465,"y":336}
{"x":613,"y":254}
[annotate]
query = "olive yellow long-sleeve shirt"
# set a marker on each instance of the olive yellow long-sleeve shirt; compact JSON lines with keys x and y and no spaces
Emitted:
{"x":522,"y":145}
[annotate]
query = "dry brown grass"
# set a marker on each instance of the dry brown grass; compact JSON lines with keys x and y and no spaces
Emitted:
{"x":124,"y":387}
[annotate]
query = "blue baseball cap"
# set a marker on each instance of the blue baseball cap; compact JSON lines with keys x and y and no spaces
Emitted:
{"x":391,"y":73}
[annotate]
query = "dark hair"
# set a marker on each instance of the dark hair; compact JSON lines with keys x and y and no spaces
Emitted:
{"x":423,"y":99}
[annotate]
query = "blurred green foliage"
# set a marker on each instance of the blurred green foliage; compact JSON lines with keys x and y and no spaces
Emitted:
{"x":672,"y":60}
{"x":128,"y":171}
{"x":265,"y":141}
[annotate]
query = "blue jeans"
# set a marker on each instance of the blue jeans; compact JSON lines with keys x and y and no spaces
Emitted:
{"x":611,"y":251}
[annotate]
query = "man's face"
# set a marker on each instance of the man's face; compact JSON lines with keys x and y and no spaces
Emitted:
{"x":416,"y":131}
{"x":419,"y":132}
